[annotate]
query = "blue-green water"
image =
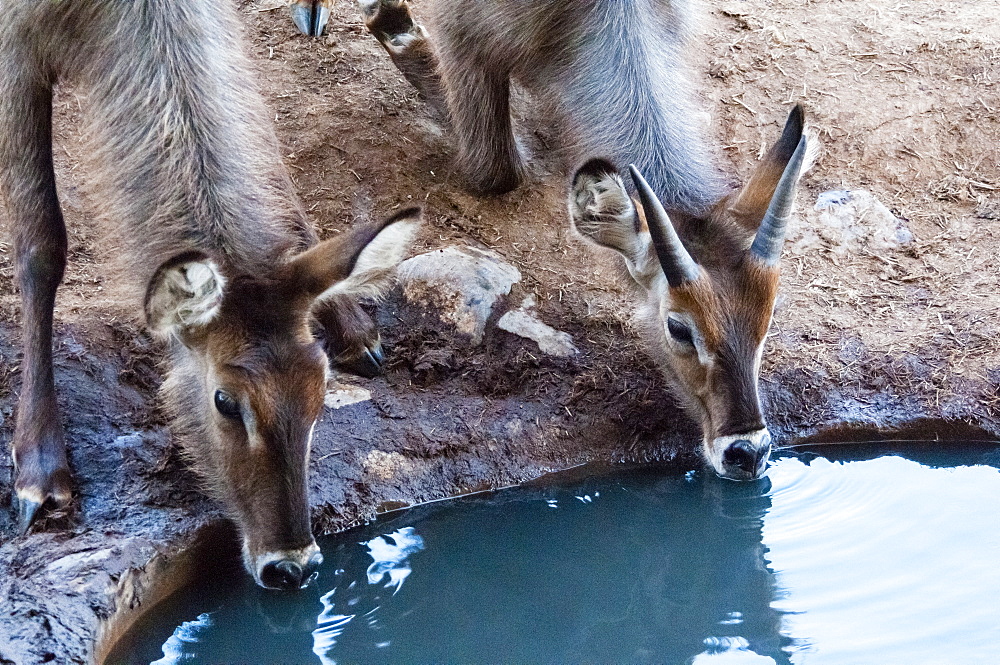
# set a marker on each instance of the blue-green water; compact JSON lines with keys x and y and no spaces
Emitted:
{"x":883,"y":560}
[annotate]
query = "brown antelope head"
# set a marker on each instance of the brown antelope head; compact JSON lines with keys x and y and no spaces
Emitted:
{"x":247,"y":380}
{"x":710,"y":284}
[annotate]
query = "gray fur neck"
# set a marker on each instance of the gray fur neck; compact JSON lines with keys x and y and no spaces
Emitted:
{"x":180,"y":150}
{"x":633,"y":45}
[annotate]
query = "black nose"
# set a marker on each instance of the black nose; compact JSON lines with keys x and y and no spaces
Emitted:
{"x":741,"y":455}
{"x":286,"y":574}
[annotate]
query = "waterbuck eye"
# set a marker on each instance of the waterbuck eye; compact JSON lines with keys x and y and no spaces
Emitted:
{"x":227,"y":406}
{"x":679,"y":331}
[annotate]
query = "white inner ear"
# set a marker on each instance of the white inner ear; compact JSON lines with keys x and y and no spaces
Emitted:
{"x":603,"y":213}
{"x":187,"y":296}
{"x":372,"y":272}
{"x":814,"y":149}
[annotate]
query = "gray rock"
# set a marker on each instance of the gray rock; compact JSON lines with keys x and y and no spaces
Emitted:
{"x":846,"y":221}
{"x":462,"y":283}
{"x":339,"y":395}
{"x":524,"y":322}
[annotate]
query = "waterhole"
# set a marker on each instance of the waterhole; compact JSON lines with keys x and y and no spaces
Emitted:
{"x":843,"y":556}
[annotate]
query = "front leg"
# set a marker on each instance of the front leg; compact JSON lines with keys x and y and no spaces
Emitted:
{"x":352,"y":340}
{"x":42,"y":475}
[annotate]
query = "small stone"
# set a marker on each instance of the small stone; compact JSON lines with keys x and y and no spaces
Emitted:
{"x":845,"y":221}
{"x":524,"y":322}
{"x":340,"y":395}
{"x":386,"y":466}
{"x":133,"y":440}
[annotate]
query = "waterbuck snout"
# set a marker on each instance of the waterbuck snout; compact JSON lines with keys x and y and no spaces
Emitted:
{"x":709,"y":283}
{"x":247,"y":381}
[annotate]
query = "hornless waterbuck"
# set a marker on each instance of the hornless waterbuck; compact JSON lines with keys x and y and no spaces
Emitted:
{"x":709,"y":283}
{"x":184,"y":168}
{"x":609,"y":75}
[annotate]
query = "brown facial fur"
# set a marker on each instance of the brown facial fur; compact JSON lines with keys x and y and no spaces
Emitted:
{"x":732,"y":312}
{"x":279,"y":374}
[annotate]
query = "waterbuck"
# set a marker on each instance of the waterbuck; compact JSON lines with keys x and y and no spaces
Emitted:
{"x":608,"y":75}
{"x":709,"y":283}
{"x":613,"y":77}
{"x":184,"y":169}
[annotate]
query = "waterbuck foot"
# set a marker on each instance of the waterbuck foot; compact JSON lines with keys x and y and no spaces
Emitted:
{"x":352,"y":340}
{"x":42,"y":475}
{"x":409,"y":46}
{"x":310,"y":16}
{"x":391,"y":23}
{"x":493,"y":180}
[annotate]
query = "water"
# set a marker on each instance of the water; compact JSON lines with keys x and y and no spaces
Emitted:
{"x":881,"y":560}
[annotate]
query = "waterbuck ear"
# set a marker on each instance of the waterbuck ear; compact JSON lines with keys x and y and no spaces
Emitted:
{"x":359,"y":263}
{"x":601,"y":210}
{"x":752,"y":201}
{"x":184,"y":293}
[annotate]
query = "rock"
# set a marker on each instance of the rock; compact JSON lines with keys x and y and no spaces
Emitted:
{"x":845,"y":221}
{"x":339,"y":395}
{"x":386,"y":466}
{"x":462,"y":283}
{"x":133,"y":440}
{"x":524,"y":322}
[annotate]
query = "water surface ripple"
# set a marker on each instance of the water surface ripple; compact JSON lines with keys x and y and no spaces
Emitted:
{"x":884,"y":560}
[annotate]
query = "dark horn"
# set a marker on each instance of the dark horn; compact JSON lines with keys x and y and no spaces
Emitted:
{"x":677,"y":264}
{"x":771,"y":233}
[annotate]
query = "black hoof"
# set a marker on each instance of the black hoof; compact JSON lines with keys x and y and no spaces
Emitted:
{"x":27,"y":511}
{"x":310,"y":17}
{"x":368,"y":364}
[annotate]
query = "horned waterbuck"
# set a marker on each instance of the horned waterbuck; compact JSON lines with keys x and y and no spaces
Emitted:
{"x":184,"y":169}
{"x":708,"y":285}
{"x":609,"y":75}
{"x":614,"y":77}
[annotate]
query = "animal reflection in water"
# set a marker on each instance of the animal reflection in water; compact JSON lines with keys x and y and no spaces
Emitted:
{"x":666,"y":570}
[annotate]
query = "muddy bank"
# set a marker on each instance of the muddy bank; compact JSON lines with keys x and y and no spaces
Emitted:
{"x":874,"y":330}
{"x":449,"y":417}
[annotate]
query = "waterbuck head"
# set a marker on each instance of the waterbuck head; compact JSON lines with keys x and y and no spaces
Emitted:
{"x":247,"y":379}
{"x":710,"y":284}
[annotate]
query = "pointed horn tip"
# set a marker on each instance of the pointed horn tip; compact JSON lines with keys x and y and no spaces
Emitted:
{"x":637,"y":177}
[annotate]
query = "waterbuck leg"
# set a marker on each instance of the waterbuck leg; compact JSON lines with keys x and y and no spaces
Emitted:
{"x":42,"y":475}
{"x":352,"y":340}
{"x":409,"y":46}
{"x":310,"y":16}
{"x":479,"y":107}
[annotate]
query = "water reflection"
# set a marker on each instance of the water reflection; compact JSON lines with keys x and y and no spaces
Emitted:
{"x":390,"y":555}
{"x":186,"y":634}
{"x":886,"y":557}
{"x":884,"y":560}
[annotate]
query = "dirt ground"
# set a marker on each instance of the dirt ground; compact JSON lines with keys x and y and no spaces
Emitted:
{"x":906,"y":99}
